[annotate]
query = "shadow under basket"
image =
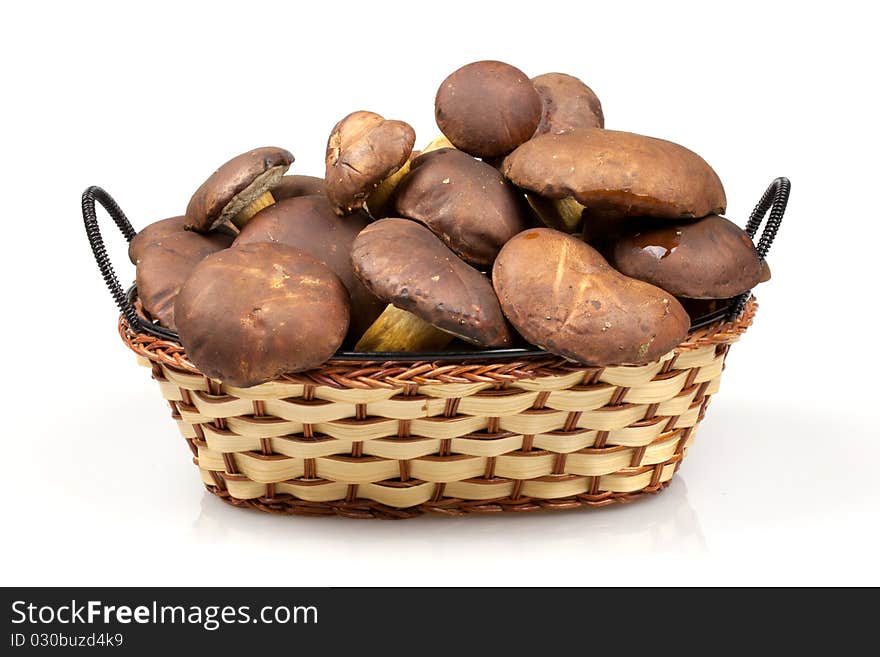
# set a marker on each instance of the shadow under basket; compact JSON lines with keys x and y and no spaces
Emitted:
{"x":369,"y":435}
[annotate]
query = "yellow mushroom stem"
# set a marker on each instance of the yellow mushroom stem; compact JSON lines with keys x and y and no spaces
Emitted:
{"x":264,"y":200}
{"x":560,"y":213}
{"x":379,"y":202}
{"x":399,"y":330}
{"x":436,"y":144}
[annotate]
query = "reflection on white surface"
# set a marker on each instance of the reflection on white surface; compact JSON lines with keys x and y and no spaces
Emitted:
{"x":654,"y":524}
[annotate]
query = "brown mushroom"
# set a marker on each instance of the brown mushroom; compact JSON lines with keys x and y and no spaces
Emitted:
{"x":250,"y":314}
{"x":309,"y":223}
{"x":621,"y":172}
{"x":561,"y":295}
{"x":237,"y":190}
{"x":466,"y":203}
{"x":601,"y":229}
{"x":165,"y":262}
{"x":152,"y":233}
{"x":293,"y":186}
{"x":567,"y":104}
{"x":381,"y":202}
{"x":364,"y":149}
{"x":428,"y":287}
{"x":708,"y":258}
{"x":487,"y":108}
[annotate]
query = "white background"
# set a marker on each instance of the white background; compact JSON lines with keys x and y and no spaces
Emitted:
{"x":146,"y":99}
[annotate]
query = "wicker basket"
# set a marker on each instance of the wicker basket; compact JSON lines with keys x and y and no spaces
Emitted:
{"x":485,"y":432}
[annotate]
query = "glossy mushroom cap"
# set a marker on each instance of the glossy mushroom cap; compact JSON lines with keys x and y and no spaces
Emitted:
{"x":466,"y":203}
{"x":487,"y":108}
{"x":164,"y":264}
{"x":293,"y":186}
{"x":708,"y":258}
{"x":611,"y":171}
{"x":561,"y":295}
{"x":362,"y":151}
{"x":405,"y":264}
{"x":250,"y":314}
{"x":309,"y":223}
{"x":567,"y":104}
{"x":235,"y":185}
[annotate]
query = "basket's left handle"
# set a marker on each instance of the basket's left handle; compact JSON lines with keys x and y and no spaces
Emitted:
{"x":93,"y":232}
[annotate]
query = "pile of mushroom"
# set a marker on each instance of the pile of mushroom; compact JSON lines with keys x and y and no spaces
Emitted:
{"x":525,"y":222}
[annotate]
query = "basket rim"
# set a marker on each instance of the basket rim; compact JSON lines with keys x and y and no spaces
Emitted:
{"x":474,"y":354}
{"x":422,"y":369}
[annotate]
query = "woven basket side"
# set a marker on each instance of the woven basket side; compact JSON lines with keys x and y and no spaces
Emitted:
{"x":443,"y":437}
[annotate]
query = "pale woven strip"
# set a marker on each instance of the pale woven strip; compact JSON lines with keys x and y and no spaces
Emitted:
{"x":360,"y":438}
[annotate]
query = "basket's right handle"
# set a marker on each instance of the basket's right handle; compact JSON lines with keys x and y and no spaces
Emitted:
{"x":775,"y":199}
{"x":93,"y":232}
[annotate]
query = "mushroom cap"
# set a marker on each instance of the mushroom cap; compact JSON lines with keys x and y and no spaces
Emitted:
{"x":567,"y":104}
{"x":406,"y":265}
{"x":561,"y":295}
{"x":165,"y":227}
{"x":362,"y":151}
{"x":235,"y":185}
{"x":620,"y":172}
{"x":309,"y":223}
{"x":152,"y":232}
{"x":250,"y":314}
{"x":293,"y":186}
{"x":708,"y":258}
{"x":487,"y":108}
{"x":164,"y":264}
{"x":465,"y":202}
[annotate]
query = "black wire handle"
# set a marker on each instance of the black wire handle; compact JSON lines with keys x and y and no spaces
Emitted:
{"x":775,"y":199}
{"x":93,"y":232}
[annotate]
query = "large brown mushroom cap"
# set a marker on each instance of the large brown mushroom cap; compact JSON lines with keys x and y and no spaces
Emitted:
{"x":568,"y":104}
{"x":620,"y":172}
{"x":465,"y":202}
{"x":362,"y":151}
{"x":158,"y":230}
{"x":405,"y":264}
{"x":561,"y":295}
{"x":708,"y":258}
{"x":152,"y":233}
{"x":487,"y":108}
{"x":309,"y":223}
{"x":164,"y":264}
{"x":235,"y":185}
{"x":298,"y":185}
{"x":250,"y":314}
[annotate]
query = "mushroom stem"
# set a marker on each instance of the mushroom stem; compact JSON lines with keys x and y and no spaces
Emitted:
{"x":379,"y":202}
{"x":399,"y":330}
{"x":560,"y":213}
{"x":264,"y":200}
{"x":436,"y":144}
{"x":227,"y":228}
